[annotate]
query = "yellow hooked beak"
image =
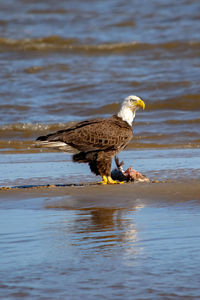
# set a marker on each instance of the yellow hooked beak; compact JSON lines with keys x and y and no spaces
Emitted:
{"x":140,"y":103}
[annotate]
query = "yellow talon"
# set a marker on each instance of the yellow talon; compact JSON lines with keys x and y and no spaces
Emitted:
{"x":109,"y":180}
{"x":104,"y":181}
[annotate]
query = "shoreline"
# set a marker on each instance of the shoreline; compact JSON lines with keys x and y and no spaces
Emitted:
{"x":91,"y":195}
{"x":55,"y":168}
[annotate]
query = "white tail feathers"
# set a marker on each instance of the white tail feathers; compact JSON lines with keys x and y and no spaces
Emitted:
{"x":57,"y":145}
{"x":47,"y":144}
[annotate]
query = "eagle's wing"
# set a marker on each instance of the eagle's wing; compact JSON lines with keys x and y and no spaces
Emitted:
{"x":93,"y":135}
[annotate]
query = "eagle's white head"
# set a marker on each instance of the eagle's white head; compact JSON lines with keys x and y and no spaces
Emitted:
{"x":129,"y":107}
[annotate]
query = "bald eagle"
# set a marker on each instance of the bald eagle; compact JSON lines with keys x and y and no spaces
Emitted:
{"x":97,"y":141}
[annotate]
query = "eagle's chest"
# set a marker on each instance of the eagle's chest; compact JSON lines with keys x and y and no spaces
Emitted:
{"x":124,"y":139}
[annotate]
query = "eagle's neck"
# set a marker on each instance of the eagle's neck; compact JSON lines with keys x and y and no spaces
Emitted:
{"x":126,"y":114}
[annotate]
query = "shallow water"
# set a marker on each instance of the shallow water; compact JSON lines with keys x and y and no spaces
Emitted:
{"x":146,"y":251}
{"x":100,"y":243}
{"x":58,"y":168}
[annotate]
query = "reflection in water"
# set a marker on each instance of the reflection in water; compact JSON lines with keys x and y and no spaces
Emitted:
{"x":98,"y":230}
{"x":103,"y":218}
{"x":97,"y":253}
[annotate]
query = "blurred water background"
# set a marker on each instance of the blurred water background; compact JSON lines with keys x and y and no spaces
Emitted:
{"x":64,"y":61}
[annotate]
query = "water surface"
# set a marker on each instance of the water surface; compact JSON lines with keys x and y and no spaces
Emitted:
{"x":69,"y":61}
{"x":66,"y":61}
{"x":142,"y":251}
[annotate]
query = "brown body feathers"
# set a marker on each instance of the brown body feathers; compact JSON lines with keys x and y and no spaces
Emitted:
{"x":94,"y":141}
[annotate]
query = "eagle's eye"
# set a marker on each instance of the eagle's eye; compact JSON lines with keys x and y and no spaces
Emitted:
{"x":133,"y":100}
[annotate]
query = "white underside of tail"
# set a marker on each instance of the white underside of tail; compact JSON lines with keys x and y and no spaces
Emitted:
{"x":56,"y":145}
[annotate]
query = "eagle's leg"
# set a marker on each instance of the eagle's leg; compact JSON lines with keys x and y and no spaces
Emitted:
{"x":104,"y":167}
{"x":104,"y":180}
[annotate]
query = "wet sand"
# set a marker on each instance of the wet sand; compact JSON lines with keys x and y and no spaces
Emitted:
{"x":174,"y":176}
{"x":91,"y":241}
{"x":91,"y":195}
{"x":62,"y":236}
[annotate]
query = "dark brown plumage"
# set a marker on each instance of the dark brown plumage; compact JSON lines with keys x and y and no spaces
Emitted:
{"x":96,"y":141}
